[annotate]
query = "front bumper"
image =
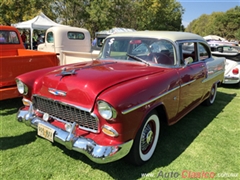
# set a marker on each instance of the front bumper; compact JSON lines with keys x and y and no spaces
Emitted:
{"x":95,"y":152}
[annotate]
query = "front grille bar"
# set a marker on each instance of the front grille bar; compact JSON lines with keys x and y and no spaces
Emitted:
{"x":66,"y":112}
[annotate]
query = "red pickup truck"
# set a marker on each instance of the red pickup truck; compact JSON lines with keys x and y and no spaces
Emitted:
{"x":16,"y":60}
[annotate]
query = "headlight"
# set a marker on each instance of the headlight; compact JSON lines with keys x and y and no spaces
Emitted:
{"x":22,"y":88}
{"x":106,"y":110}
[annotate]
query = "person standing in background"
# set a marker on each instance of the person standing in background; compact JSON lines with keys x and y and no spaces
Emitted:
{"x":39,"y":39}
{"x":24,"y":38}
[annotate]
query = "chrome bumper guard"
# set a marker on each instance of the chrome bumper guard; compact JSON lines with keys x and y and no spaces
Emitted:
{"x":97,"y":153}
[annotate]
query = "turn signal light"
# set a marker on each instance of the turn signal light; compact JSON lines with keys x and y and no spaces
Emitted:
{"x":26,"y":102}
{"x":109,"y":131}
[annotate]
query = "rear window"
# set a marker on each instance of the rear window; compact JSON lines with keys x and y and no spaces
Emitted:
{"x":76,"y":35}
{"x":8,"y":37}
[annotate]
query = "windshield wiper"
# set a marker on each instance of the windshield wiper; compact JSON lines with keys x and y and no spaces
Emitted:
{"x":138,"y":59}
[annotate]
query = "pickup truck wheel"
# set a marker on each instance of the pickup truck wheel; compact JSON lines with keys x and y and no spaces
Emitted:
{"x":213,"y":92}
{"x":145,"y":141}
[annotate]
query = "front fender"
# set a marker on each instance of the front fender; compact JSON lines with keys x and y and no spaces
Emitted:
{"x":134,"y":99}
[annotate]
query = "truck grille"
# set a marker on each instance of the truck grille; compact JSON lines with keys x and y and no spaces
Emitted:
{"x":66,"y":112}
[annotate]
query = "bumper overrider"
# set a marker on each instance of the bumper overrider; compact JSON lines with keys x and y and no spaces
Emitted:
{"x":95,"y":152}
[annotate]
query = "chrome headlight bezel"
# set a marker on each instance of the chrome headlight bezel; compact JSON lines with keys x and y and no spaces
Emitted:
{"x":22,"y":88}
{"x":106,"y":110}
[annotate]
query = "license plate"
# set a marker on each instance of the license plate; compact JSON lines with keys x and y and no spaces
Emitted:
{"x":45,"y":132}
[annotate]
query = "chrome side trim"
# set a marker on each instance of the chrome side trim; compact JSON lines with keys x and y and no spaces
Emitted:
{"x":185,"y":84}
{"x":95,"y":152}
{"x":210,"y":77}
{"x":147,"y":102}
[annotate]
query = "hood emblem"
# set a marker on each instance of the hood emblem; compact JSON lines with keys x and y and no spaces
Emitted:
{"x":57,"y":92}
{"x":66,"y":73}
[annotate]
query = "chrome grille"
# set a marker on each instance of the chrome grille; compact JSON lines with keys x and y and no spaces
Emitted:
{"x":66,"y":112}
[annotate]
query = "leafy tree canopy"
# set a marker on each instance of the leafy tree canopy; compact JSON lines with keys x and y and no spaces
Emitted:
{"x":96,"y":15}
{"x":218,"y":23}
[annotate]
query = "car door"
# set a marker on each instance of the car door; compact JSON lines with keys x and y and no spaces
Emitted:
{"x":191,"y":77}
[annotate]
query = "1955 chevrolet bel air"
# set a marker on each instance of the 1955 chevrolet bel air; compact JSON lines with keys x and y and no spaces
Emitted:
{"x":114,"y":106}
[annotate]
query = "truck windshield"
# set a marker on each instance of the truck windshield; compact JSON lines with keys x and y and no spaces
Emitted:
{"x":147,"y":49}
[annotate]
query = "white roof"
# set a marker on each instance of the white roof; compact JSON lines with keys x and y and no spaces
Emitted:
{"x":171,"y":35}
{"x":40,"y":22}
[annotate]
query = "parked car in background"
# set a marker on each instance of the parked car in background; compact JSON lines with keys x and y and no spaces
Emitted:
{"x":221,"y":43}
{"x":114,"y":106}
{"x":101,"y":35}
{"x":232,"y":68}
{"x":16,"y":60}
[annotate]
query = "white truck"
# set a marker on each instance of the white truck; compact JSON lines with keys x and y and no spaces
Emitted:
{"x":72,"y":44}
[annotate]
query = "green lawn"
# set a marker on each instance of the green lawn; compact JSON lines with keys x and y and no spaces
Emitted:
{"x":206,"y":140}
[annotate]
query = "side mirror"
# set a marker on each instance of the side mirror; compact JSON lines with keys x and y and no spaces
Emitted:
{"x":188,"y":60}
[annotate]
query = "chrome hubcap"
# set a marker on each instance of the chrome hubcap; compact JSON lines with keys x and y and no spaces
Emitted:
{"x":213,"y":91}
{"x":147,"y":138}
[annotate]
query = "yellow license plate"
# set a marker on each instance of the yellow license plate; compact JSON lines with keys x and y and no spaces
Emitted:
{"x":45,"y":132}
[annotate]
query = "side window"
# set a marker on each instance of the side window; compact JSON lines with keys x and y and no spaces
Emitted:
{"x":10,"y":37}
{"x":13,"y":38}
{"x":204,"y":52}
{"x":188,"y":52}
{"x":76,"y":35}
{"x":164,"y":52}
{"x":50,"y":37}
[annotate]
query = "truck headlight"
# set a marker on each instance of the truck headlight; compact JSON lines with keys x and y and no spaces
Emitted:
{"x":22,"y":88}
{"x":106,"y":110}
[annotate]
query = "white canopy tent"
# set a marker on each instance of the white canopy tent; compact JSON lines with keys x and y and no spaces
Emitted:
{"x":214,"y":37}
{"x":40,"y":22}
{"x":115,"y":30}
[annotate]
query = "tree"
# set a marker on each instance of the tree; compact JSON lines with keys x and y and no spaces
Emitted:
{"x":21,"y":10}
{"x":159,"y":15}
{"x":218,"y":23}
{"x":96,"y":15}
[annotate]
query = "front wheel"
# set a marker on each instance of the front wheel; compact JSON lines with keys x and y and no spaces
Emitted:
{"x":213,"y":92}
{"x":146,"y":140}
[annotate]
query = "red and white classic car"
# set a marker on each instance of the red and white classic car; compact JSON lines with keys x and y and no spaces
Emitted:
{"x":113,"y":107}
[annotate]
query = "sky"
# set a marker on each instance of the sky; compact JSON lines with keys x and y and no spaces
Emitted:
{"x":195,"y":8}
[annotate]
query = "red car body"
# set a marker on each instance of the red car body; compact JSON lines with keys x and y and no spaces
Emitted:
{"x":136,"y":93}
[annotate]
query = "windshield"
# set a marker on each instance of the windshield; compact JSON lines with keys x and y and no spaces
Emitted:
{"x":146,"y":49}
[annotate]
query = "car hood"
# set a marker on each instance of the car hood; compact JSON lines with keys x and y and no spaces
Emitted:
{"x":80,"y":84}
